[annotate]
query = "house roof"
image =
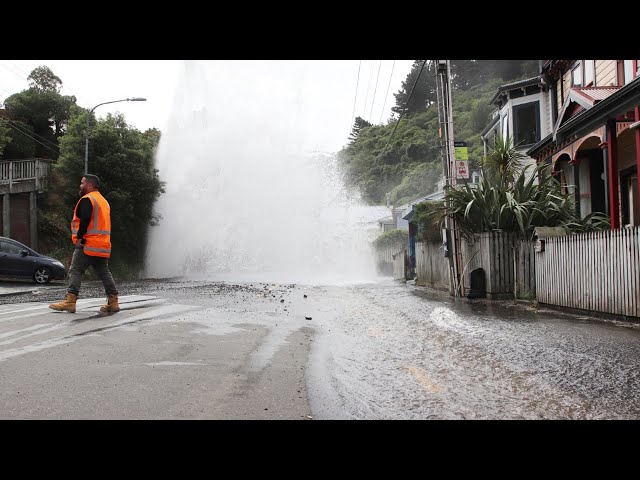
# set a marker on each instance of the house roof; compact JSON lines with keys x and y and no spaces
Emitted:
{"x":490,"y":126}
{"x":595,"y":94}
{"x":584,"y":98}
{"x":609,"y":104}
{"x":540,"y":145}
{"x":431,"y":196}
{"x":439,"y":195}
{"x":622,"y":101}
{"x":554,"y":68}
{"x":409,"y":216}
{"x":514,"y":85}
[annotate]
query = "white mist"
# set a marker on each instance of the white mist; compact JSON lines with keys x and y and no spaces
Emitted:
{"x":245,"y":199}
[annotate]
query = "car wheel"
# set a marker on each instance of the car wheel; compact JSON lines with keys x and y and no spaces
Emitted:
{"x":42,"y":275}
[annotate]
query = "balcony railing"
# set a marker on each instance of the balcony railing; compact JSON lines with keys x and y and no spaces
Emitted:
{"x":24,"y":175}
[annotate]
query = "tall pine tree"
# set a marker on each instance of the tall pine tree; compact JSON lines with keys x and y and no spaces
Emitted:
{"x":358,"y":125}
{"x":424,"y":93}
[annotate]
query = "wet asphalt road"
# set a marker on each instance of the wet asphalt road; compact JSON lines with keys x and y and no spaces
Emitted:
{"x":206,"y":350}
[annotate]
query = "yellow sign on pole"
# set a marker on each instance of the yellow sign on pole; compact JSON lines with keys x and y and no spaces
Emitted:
{"x":461,"y":150}
{"x":462,"y":159}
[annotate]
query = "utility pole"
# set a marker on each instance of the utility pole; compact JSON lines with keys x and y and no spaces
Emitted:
{"x":445,"y":116}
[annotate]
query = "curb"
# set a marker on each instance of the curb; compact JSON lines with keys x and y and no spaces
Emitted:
{"x":10,"y":294}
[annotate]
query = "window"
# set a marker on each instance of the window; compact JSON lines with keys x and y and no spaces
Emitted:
{"x":576,"y":76}
{"x":628,"y":71}
{"x":589,"y":69}
{"x":6,"y":247}
{"x":492,"y":134}
{"x":505,"y":127}
{"x":526,"y":124}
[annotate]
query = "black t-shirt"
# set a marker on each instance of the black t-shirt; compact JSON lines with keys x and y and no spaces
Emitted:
{"x":84,"y":212}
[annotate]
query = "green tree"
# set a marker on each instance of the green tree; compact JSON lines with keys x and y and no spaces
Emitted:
{"x":358,"y":125}
{"x":5,"y":138}
{"x":43,"y":109}
{"x":122,"y":157}
{"x":42,"y":79}
{"x":504,"y":160}
{"x":376,"y":163}
{"x":508,"y":199}
{"x":21,"y":142}
{"x":421,"y":180}
{"x":426,"y":218}
{"x":424,"y":93}
{"x":391,"y":238}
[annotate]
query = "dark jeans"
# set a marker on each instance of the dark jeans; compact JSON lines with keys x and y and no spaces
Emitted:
{"x":79,"y":264}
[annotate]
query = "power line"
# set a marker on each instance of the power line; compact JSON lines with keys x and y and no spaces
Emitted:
{"x":32,"y":138}
{"x":12,"y":71}
{"x":387,"y":94}
{"x":355,"y":97}
{"x":375,"y":90}
{"x":366,"y":98}
{"x":18,"y":67}
{"x":34,"y":133}
{"x":399,"y":119}
{"x":28,"y":135}
{"x":406,"y":103}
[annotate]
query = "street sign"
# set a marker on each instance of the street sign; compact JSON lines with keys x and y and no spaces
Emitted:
{"x":462,"y":169}
{"x":461,"y":150}
{"x":462,"y":159}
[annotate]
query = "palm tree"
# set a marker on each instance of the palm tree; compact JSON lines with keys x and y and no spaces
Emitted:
{"x":507,"y":199}
{"x":504,"y":159}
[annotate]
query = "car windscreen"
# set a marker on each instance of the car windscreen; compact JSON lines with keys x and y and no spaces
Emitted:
{"x":9,"y":247}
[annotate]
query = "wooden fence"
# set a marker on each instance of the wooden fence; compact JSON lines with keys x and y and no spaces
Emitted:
{"x":489,"y":255}
{"x":432,"y":267}
{"x":399,"y":265}
{"x":596,"y":271}
{"x":526,"y":270}
{"x":493,"y":252}
{"x":385,"y":258}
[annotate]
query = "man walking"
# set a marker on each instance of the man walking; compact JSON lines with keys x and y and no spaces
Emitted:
{"x":91,"y":234}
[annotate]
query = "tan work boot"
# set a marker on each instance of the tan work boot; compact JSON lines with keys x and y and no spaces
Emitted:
{"x":111,"y":305}
{"x":67,"y":305}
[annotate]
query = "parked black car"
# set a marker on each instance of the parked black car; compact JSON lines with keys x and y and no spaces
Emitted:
{"x":18,"y":260}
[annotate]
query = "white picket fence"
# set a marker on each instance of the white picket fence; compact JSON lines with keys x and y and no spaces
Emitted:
{"x":596,"y":271}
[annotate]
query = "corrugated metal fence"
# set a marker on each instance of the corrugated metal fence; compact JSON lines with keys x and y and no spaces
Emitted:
{"x":593,"y":271}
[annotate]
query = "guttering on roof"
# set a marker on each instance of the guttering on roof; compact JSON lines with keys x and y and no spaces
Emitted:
{"x":540,"y":145}
{"x":620,"y":102}
{"x":514,"y":85}
{"x":490,"y":126}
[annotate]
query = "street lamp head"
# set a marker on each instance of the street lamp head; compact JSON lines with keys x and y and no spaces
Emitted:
{"x":86,"y":142}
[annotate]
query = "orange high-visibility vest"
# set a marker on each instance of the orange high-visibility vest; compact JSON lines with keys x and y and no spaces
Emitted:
{"x":97,"y":240}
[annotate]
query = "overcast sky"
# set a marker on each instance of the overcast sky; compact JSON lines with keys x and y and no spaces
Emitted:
{"x":97,"y":81}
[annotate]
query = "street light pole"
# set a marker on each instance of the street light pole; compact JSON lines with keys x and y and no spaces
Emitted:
{"x":86,"y":143}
